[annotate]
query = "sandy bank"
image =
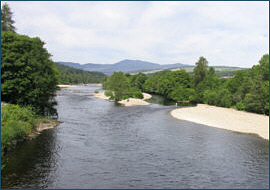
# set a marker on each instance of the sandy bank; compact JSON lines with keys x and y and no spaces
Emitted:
{"x":101,"y":95}
{"x":127,"y":102}
{"x":65,"y":85}
{"x":146,"y":96}
{"x":225,"y":118}
{"x":43,"y":126}
{"x":95,"y":84}
{"x":49,"y":125}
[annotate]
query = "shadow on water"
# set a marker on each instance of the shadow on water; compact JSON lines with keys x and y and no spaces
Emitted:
{"x":31,"y":161}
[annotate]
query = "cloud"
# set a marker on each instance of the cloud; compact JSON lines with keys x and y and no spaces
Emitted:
{"x":226,"y":33}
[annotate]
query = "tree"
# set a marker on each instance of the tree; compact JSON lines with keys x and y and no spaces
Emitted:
{"x":210,"y":82}
{"x":28,"y":75}
{"x":211,"y":71}
{"x":264,"y":67}
{"x":138,"y":80}
{"x":119,"y":84}
{"x":6,"y":19}
{"x":200,"y":71}
{"x":181,"y":94}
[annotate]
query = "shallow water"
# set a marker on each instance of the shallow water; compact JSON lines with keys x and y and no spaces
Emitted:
{"x":101,"y":145}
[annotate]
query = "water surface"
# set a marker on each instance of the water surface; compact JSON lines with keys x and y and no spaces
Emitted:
{"x":101,"y":145}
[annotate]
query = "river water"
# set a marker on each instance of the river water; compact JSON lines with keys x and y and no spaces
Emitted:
{"x":102,"y":145}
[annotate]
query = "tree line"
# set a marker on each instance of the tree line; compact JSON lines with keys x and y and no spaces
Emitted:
{"x":248,"y":90}
{"x":69,"y":75}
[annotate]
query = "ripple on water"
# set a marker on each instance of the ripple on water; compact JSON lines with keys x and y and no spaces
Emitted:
{"x":101,"y":145}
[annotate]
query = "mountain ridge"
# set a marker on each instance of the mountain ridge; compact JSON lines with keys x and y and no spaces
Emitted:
{"x":126,"y":65}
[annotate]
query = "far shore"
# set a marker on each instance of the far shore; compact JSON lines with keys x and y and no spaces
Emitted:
{"x":73,"y":85}
{"x":225,"y":118}
{"x":128,"y":102}
{"x":65,"y":85}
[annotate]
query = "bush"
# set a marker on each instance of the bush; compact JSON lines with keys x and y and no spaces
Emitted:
{"x":109,"y":94}
{"x":181,"y":94}
{"x":210,"y":97}
{"x":137,"y":94}
{"x":240,"y":106}
{"x":16,"y":123}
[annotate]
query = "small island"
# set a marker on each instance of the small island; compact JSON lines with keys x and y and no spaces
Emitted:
{"x":127,"y":102}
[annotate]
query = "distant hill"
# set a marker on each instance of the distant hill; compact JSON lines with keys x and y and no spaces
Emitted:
{"x":70,"y":75}
{"x":127,"y":66}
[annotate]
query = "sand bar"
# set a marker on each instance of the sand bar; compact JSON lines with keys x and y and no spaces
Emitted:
{"x":225,"y":118}
{"x":128,"y":102}
{"x":65,"y":85}
{"x":101,"y":95}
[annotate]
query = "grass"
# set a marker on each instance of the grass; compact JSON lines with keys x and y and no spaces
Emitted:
{"x":17,"y":123}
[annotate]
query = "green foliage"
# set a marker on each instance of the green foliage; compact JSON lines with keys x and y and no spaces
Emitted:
{"x":6,"y":19}
{"x":16,"y":123}
{"x":240,"y":106}
{"x":69,"y":75}
{"x":224,"y":98}
{"x":109,"y":94}
{"x":200,"y":71}
{"x":138,"y":80}
{"x":248,"y":90}
{"x":28,"y":76}
{"x":251,"y":87}
{"x":174,"y":85}
{"x":210,"y":97}
{"x":210,"y":82}
{"x":182,"y":94}
{"x":119,"y":87}
{"x":211,"y":71}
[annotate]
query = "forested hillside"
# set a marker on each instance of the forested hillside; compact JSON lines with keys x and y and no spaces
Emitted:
{"x":69,"y":75}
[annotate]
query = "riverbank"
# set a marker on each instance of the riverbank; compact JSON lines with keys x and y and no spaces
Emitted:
{"x":128,"y":102}
{"x":65,"y":85}
{"x":73,"y":85}
{"x":19,"y":124}
{"x":225,"y":118}
{"x":43,"y":124}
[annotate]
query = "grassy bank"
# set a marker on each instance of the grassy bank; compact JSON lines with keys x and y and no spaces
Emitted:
{"x":18,"y":124}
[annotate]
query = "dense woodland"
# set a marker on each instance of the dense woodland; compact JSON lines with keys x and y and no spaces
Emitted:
{"x":69,"y":75}
{"x":248,"y":90}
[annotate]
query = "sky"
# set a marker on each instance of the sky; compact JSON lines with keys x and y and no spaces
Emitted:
{"x":225,"y":33}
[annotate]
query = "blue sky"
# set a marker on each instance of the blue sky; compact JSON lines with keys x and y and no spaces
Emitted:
{"x":226,"y":33}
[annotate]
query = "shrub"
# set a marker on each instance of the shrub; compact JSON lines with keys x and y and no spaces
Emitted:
{"x":16,"y":123}
{"x":240,"y":106}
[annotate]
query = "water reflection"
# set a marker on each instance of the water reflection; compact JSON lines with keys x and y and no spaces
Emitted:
{"x":34,"y":161}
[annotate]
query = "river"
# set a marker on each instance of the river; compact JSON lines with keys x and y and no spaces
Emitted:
{"x":102,"y":145}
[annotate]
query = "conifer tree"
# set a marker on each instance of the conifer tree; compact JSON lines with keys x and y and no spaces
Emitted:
{"x":6,"y":19}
